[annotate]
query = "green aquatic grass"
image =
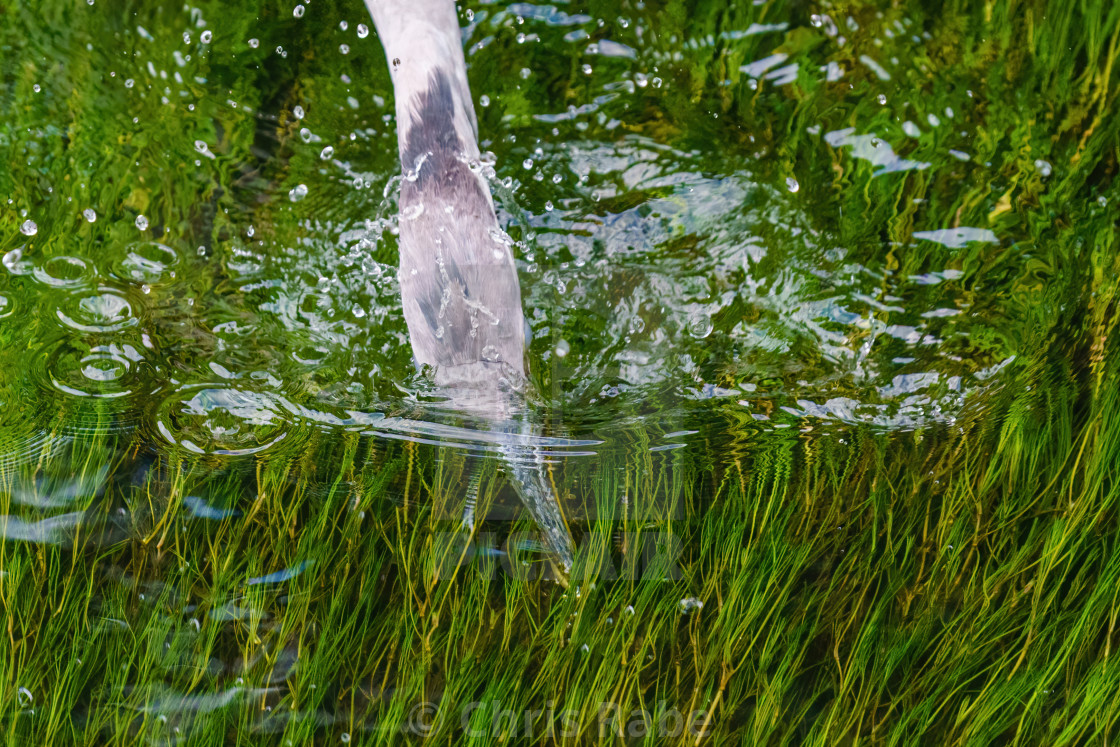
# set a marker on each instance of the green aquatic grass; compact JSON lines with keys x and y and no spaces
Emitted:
{"x":957,"y":583}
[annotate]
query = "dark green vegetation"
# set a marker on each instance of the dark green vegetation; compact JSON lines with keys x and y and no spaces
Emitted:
{"x":897,"y":490}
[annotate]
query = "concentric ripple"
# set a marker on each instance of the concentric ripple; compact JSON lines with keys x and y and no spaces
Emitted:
{"x":64,"y":272}
{"x":103,"y":371}
{"x":102,"y":310}
{"x":147,"y":262}
{"x":217,"y":419}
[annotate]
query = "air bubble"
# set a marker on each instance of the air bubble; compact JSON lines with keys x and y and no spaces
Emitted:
{"x":207,"y":35}
{"x":141,"y":222}
{"x":254,"y":43}
{"x":792,"y":184}
{"x":89,"y":215}
{"x":298,"y":111}
{"x":344,"y":48}
{"x":298,"y":193}
{"x":700,"y":326}
{"x":363,"y":31}
{"x":28,"y":228}
{"x":326,"y":153}
{"x":298,"y":11}
{"x":691,"y":603}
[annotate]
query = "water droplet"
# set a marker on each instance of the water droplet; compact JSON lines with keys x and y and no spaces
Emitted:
{"x":525,"y":73}
{"x":254,"y":43}
{"x":527,"y":163}
{"x":141,"y":222}
{"x":1044,"y":167}
{"x":326,"y":153}
{"x":186,"y":37}
{"x":548,"y":206}
{"x":484,"y":101}
{"x":298,"y":111}
{"x":89,"y":215}
{"x":305,"y":135}
{"x":36,"y":88}
{"x":562,"y":348}
{"x":25,"y":698}
{"x":298,"y":11}
{"x":345,"y":738}
{"x":203,"y":148}
{"x":816,"y":20}
{"x":129,"y":83}
{"x":363,"y":31}
{"x":586,"y":69}
{"x":792,"y":184}
{"x":250,"y":231}
{"x":343,"y":25}
{"x":298,"y":193}
{"x":207,"y":35}
{"x":344,"y":48}
{"x":28,"y":228}
{"x":881,"y":99}
{"x":13,"y":261}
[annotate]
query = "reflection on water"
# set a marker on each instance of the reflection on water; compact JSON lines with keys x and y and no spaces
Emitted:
{"x":199,"y":275}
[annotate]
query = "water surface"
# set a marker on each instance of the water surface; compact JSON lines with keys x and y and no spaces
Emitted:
{"x":736,"y":226}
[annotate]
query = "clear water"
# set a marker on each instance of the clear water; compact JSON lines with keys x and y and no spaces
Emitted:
{"x":679,"y":247}
{"x":761,"y":226}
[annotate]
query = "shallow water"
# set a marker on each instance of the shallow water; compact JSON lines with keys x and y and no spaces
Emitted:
{"x":768,"y":225}
{"x":672,"y":246}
